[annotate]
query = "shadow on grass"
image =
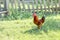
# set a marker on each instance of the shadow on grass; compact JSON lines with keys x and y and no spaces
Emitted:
{"x":36,"y":31}
{"x":52,"y":25}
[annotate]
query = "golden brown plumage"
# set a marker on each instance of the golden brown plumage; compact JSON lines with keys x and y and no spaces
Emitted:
{"x":37,"y":21}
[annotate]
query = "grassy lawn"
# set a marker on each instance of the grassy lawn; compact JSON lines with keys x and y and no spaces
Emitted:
{"x":27,"y":30}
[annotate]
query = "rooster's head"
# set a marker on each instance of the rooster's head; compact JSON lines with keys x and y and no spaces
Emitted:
{"x":34,"y":14}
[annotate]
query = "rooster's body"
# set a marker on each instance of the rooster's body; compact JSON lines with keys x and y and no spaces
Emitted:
{"x":37,"y":21}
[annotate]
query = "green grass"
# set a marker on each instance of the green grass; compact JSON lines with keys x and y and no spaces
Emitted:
{"x":27,"y":30}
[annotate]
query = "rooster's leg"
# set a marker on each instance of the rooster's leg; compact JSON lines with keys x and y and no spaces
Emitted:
{"x":39,"y":27}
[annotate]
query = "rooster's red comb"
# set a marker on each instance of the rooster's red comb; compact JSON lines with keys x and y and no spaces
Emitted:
{"x":34,"y":14}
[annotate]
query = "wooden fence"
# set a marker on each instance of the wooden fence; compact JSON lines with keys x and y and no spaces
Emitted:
{"x":45,"y":5}
{"x":3,"y":7}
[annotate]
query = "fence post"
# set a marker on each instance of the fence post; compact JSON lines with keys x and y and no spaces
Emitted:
{"x":0,"y":6}
{"x":59,"y":5}
{"x":48,"y":4}
{"x":36,"y":4}
{"x":5,"y":8}
{"x":45,"y":9}
{"x":23,"y":5}
{"x":6,"y":3}
{"x":19,"y":5}
{"x":33,"y":6}
{"x":41,"y":7}
{"x":28,"y":6}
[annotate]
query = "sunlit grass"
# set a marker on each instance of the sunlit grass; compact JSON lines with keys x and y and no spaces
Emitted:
{"x":27,"y":30}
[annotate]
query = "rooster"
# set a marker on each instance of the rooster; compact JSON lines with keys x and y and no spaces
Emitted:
{"x":37,"y":21}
